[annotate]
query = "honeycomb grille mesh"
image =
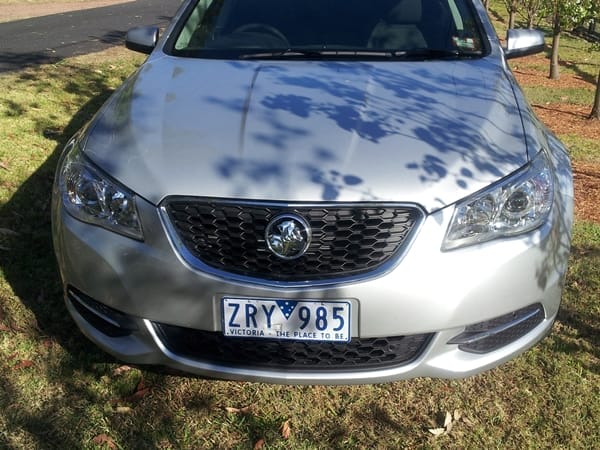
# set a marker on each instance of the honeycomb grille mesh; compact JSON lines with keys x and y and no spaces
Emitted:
{"x":215,"y":348}
{"x":346,"y":239}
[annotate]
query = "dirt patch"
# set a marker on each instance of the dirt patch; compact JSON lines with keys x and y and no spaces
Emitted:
{"x":564,"y":118}
{"x":17,"y":11}
{"x":531,"y":77}
{"x":587,"y":191}
{"x":527,"y":72}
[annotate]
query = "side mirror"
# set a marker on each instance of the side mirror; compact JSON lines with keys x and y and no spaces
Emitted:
{"x":523,"y":42}
{"x":142,"y":39}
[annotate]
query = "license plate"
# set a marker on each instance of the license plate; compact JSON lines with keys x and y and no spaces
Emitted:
{"x":302,"y":320}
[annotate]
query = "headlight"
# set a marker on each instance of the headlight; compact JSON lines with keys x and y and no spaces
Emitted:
{"x":91,"y":196}
{"x":517,"y":204}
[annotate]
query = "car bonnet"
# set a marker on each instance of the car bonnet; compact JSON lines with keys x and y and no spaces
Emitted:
{"x":428,"y":132}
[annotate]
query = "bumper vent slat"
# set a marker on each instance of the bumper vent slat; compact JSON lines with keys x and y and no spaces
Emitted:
{"x":485,"y":337}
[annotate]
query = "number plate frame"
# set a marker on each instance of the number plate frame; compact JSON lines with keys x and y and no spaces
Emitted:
{"x":281,"y":319}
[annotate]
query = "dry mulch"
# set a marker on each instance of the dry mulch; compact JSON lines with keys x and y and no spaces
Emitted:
{"x":565,"y":118}
{"x":587,"y":191}
{"x":527,"y":74}
{"x":530,"y":77}
{"x":562,"y":118}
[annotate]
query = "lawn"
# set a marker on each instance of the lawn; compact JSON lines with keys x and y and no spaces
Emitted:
{"x":59,"y":391}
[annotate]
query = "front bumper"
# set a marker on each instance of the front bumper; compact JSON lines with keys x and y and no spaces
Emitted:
{"x":427,"y":292}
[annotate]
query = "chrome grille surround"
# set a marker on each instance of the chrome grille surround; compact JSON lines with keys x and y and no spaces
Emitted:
{"x":350,"y":241}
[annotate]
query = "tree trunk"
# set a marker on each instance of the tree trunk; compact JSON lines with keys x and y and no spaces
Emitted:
{"x":511,"y":18}
{"x":595,"y":114}
{"x":554,"y":67}
{"x":530,"y":19}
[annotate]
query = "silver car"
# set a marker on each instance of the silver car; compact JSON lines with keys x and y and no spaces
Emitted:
{"x":317,"y":192}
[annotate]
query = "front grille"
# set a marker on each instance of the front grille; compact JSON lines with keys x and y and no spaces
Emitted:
{"x":213,"y":347}
{"x":346,"y":239}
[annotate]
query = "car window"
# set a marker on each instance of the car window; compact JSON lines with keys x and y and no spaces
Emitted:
{"x":317,"y":28}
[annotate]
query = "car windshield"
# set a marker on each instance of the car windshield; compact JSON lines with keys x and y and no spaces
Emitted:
{"x":315,"y":29}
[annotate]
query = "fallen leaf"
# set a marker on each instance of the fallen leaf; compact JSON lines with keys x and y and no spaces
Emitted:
{"x":137,"y":395}
{"x":140,"y":391}
{"x":457,"y":415}
{"x":437,"y":431}
{"x":245,"y":410}
{"x":124,"y":409}
{"x":448,"y":420}
{"x":259,"y":444}
{"x":104,"y":439}
{"x":121,"y":370}
{"x":286,"y":430}
{"x":141,"y":385}
{"x":4,"y":327}
{"x":23,"y":364}
{"x":3,"y":165}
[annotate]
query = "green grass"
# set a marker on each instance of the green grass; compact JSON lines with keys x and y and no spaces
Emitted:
{"x":575,"y":56}
{"x":540,"y":95}
{"x":582,"y":149}
{"x":57,"y":390}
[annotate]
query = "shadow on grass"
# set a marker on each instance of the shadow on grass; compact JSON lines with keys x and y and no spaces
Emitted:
{"x":74,"y":366}
{"x":29,"y":267}
{"x":556,"y":108}
{"x":578,"y":312}
{"x":575,"y":67}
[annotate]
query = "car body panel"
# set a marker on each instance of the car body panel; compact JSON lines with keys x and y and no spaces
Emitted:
{"x":311,"y":131}
{"x":429,"y":289}
{"x":426,"y":133}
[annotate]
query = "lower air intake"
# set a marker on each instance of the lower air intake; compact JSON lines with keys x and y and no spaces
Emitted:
{"x":297,"y":355}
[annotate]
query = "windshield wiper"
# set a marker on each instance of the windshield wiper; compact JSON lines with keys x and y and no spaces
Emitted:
{"x":294,"y":53}
{"x":434,"y":53}
{"x":418,"y":54}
